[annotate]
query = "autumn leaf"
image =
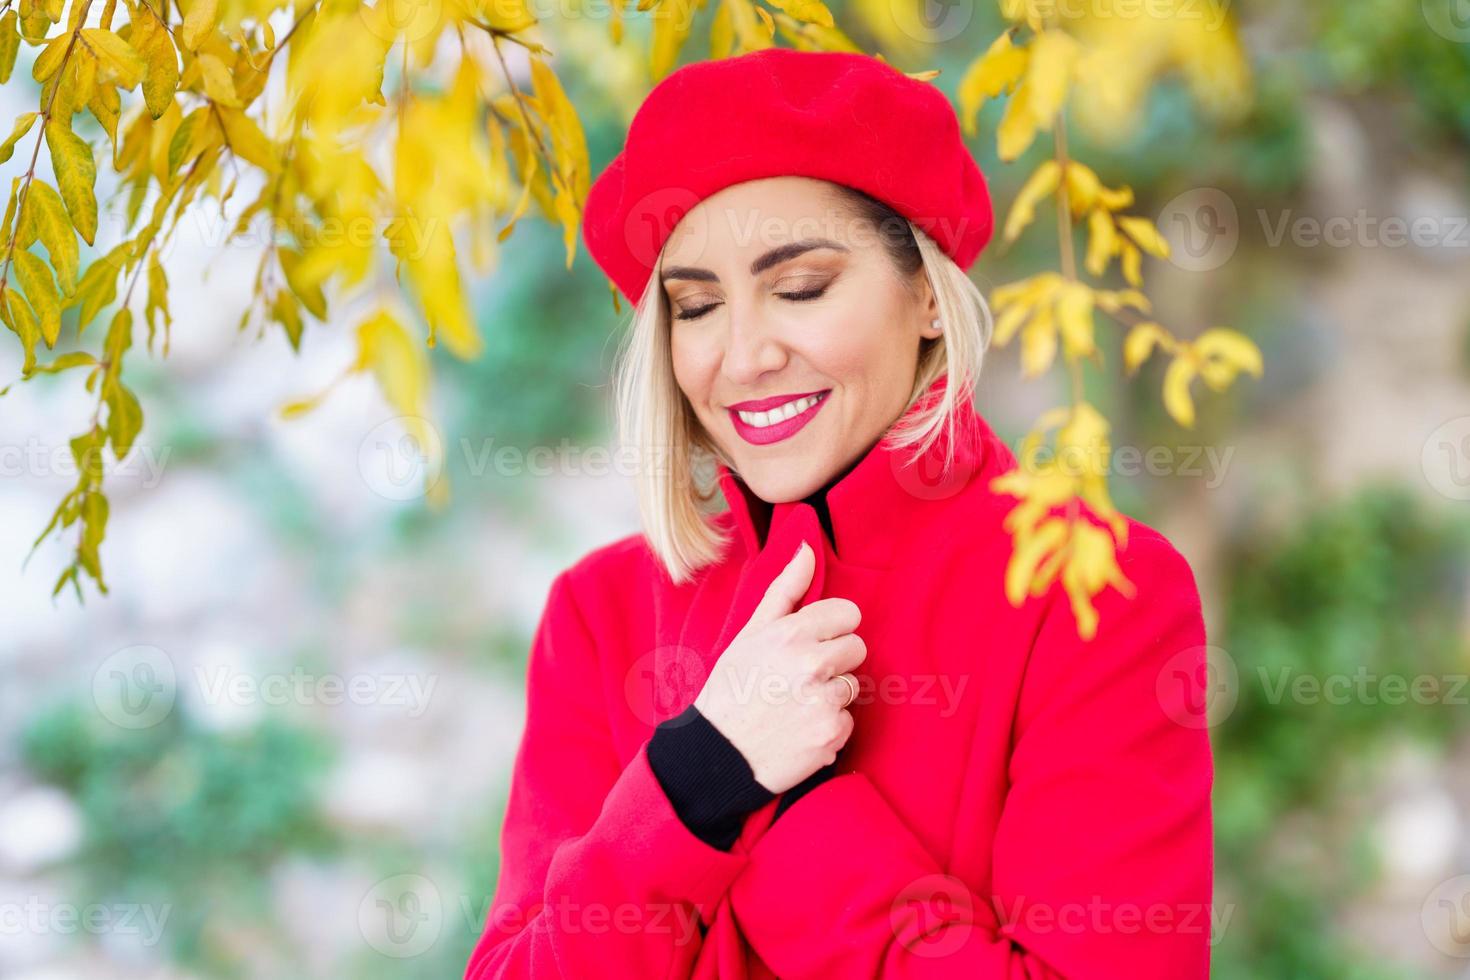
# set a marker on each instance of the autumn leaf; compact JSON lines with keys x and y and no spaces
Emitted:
{"x":76,"y":175}
{"x":121,"y":62}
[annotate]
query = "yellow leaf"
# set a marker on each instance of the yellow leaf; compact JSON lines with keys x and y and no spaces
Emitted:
{"x":9,"y":44}
{"x":48,"y":62}
{"x":98,"y":286}
{"x":22,"y":321}
{"x":40,"y":288}
{"x":1082,"y":187}
{"x":1102,"y":241}
{"x":396,"y":360}
{"x":807,"y":11}
{"x":1177,"y":400}
{"x":508,"y":15}
{"x":721,"y":32}
{"x":1041,"y":183}
{"x":1132,"y":262}
{"x":1222,"y":345}
{"x":296,"y":409}
{"x":76,"y":176}
{"x":48,"y":221}
{"x":199,"y":22}
{"x":1091,"y":567}
{"x":1028,"y":290}
{"x":161,"y":71}
{"x":124,"y":418}
{"x":1049,"y":74}
{"x":766,"y":22}
{"x":527,"y":179}
{"x":106,"y":106}
{"x":748,"y":28}
{"x":1009,"y":321}
{"x":218,"y":84}
{"x":435,"y":274}
{"x":246,"y":140}
{"x":1029,"y":551}
{"x":1114,"y":300}
{"x":671,"y":22}
{"x":1074,"y":316}
{"x":568,"y":215}
{"x":82,"y":85}
{"x":1142,"y":231}
{"x":309,"y":292}
{"x":23,"y":124}
{"x":1140,"y":344}
{"x":566,"y":129}
{"x":1017,"y":127}
{"x":285,"y":312}
{"x":1115,"y":200}
{"x":1038,"y":342}
{"x":116,"y":56}
{"x":994,"y":72}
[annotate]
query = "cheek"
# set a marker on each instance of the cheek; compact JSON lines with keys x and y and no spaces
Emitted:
{"x":851,"y":338}
{"x":694,"y":361}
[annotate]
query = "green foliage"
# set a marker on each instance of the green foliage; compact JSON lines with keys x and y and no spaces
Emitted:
{"x":1372,"y":583}
{"x":1386,"y":44}
{"x":180,"y":816}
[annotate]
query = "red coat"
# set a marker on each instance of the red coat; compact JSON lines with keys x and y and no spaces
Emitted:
{"x":1013,"y":802}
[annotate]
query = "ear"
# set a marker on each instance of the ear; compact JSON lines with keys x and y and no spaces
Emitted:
{"x":928,"y":309}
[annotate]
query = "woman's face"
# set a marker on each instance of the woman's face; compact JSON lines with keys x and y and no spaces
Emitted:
{"x":778,"y":296}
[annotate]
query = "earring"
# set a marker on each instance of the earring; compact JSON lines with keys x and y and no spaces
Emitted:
{"x":936,"y":324}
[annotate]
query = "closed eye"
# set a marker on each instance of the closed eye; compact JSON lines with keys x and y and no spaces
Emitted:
{"x":799,"y":296}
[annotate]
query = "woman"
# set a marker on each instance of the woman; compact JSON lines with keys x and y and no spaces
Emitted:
{"x":808,"y":737}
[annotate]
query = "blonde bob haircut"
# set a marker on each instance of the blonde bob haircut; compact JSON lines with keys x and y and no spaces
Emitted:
{"x":675,"y":478}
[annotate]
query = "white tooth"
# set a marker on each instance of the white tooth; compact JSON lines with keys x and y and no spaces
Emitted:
{"x":762,"y":419}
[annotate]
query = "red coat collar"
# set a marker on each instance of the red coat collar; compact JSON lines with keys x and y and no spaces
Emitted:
{"x":882,"y":498}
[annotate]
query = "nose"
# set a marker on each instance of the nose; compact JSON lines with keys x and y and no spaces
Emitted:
{"x":752,"y":349}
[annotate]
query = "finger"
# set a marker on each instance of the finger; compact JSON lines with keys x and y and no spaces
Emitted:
{"x":841,"y":654}
{"x":827,"y":618}
{"x":841,"y":692}
{"x":787,"y":588}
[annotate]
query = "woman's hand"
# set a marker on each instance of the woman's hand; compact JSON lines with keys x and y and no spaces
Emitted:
{"x":774,"y":692}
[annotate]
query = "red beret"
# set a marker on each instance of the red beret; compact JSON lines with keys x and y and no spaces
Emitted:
{"x":847,"y":118}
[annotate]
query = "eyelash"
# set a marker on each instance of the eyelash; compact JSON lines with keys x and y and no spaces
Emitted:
{"x":800,"y":296}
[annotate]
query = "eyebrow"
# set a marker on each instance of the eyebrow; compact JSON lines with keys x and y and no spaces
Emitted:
{"x":775,"y":256}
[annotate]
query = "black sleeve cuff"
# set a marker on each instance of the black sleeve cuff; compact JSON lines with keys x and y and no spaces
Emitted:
{"x":711,"y":786}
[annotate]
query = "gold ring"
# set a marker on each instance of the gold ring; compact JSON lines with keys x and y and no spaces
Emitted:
{"x":852,"y":689}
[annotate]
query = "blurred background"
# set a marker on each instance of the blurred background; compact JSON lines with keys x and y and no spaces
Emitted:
{"x":279,"y":747}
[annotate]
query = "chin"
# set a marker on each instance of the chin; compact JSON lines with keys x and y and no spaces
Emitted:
{"x":775,"y":484}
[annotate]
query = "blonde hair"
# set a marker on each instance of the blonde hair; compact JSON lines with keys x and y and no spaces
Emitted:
{"x":675,"y":477}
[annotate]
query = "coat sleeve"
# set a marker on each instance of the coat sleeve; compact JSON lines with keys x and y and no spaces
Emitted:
{"x":598,"y":875}
{"x":1102,"y":856}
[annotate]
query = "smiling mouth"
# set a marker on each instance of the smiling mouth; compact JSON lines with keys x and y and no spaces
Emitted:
{"x":775,"y":416}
